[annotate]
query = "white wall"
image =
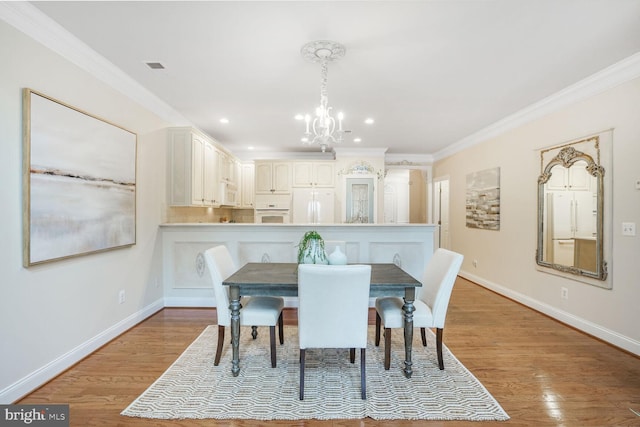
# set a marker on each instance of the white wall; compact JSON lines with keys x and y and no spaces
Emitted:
{"x":54,"y":314}
{"x":506,"y":257}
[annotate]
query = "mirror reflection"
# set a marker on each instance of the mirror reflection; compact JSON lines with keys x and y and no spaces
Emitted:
{"x":570,"y":206}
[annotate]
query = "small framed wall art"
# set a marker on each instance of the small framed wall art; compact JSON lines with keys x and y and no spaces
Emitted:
{"x":483,"y":199}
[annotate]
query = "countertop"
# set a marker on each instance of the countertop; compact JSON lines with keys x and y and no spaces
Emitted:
{"x":250,"y":224}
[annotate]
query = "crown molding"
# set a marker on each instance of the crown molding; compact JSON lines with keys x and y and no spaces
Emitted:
{"x":31,"y":21}
{"x":246,"y":155}
{"x":359,"y":152}
{"x":409,"y":159}
{"x":608,"y":78}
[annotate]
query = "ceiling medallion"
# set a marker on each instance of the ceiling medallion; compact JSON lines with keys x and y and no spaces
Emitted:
{"x":322,"y":130}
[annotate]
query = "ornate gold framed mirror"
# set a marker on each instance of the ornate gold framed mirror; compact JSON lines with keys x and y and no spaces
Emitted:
{"x":571,"y":210}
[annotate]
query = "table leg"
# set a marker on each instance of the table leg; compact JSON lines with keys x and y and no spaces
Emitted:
{"x":234,"y":306}
{"x":408,"y":309}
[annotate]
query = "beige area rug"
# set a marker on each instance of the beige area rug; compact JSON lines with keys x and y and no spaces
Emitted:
{"x":193,"y":388}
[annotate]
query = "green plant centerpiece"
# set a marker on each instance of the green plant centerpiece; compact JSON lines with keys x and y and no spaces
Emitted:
{"x":311,"y":249}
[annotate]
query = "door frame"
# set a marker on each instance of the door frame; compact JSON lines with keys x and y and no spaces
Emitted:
{"x":441,"y":217}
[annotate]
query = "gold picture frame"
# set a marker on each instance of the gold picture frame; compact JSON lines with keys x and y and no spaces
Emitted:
{"x":79,"y":182}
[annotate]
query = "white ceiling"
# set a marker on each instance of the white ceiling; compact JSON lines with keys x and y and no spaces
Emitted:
{"x":430,"y":73}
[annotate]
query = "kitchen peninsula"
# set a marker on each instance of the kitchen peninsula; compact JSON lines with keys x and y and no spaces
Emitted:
{"x":186,"y":283}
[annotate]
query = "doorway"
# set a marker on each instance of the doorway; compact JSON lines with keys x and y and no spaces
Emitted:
{"x":441,"y":211}
{"x":405,"y":196}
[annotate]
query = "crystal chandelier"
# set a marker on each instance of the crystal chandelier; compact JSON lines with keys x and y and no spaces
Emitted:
{"x":322,"y":129}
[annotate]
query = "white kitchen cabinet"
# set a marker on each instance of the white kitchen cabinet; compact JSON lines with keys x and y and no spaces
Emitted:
{"x":224,"y":166}
{"x":209,"y":186}
{"x":235,"y":171}
{"x":576,"y":178}
{"x":247,"y":187}
{"x":192,"y":169}
{"x":314,"y":174}
{"x":229,"y":168}
{"x":272,"y":177}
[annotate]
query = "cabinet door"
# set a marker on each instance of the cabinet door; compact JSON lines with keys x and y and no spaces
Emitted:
{"x":302,"y":174}
{"x":313,"y":174}
{"x":235,"y":173}
{"x":324,"y":174}
{"x":281,"y":176}
{"x":263,"y":178}
{"x":579,"y":177}
{"x":223,"y":162}
{"x":209,"y":175}
{"x":197,"y":167}
{"x":217,"y":196}
{"x":247,"y":186}
{"x":558,"y":179}
{"x":574,"y":178}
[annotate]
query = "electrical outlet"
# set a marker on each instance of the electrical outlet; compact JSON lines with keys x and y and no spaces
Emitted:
{"x":475,"y":263}
{"x":628,"y":228}
{"x":564,"y":293}
{"x":121,"y":297}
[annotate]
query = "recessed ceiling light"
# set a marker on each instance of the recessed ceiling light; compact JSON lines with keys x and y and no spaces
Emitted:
{"x":369,"y":121}
{"x":250,"y":147}
{"x":304,"y":139}
{"x":155,"y":65}
{"x":357,"y":140}
{"x":299,"y":117}
{"x":224,"y":120}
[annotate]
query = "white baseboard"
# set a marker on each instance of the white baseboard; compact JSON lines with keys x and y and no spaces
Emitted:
{"x":598,"y":331}
{"x":189,"y":302}
{"x":40,"y":376}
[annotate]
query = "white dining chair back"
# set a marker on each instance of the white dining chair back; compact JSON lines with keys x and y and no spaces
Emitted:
{"x":220,"y":265}
{"x":431,"y":303}
{"x":256,"y":311}
{"x":333,"y":304}
{"x":437,"y":284}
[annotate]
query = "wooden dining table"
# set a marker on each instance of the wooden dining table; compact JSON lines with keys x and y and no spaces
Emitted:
{"x":281,"y":279}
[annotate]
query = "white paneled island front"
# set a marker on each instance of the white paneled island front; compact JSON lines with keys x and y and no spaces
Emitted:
{"x":186,"y":279}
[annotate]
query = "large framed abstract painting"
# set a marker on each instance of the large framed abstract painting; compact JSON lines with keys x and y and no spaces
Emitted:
{"x":483,"y":199}
{"x":79,"y":182}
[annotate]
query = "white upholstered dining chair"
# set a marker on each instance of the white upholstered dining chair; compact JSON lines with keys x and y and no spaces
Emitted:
{"x":431,"y":304}
{"x":256,"y":311}
{"x":333,"y":305}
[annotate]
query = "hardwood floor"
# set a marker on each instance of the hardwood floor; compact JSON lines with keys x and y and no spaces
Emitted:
{"x":542,"y":372}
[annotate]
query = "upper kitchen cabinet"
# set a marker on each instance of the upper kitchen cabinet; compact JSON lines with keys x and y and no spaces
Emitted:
{"x":576,"y":178}
{"x":228,"y":179}
{"x":314,"y":174}
{"x":272,"y":177}
{"x":229,"y":168}
{"x":192,"y":169}
{"x":247,"y":186}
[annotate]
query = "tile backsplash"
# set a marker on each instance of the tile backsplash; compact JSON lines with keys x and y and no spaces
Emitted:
{"x":200,"y":215}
